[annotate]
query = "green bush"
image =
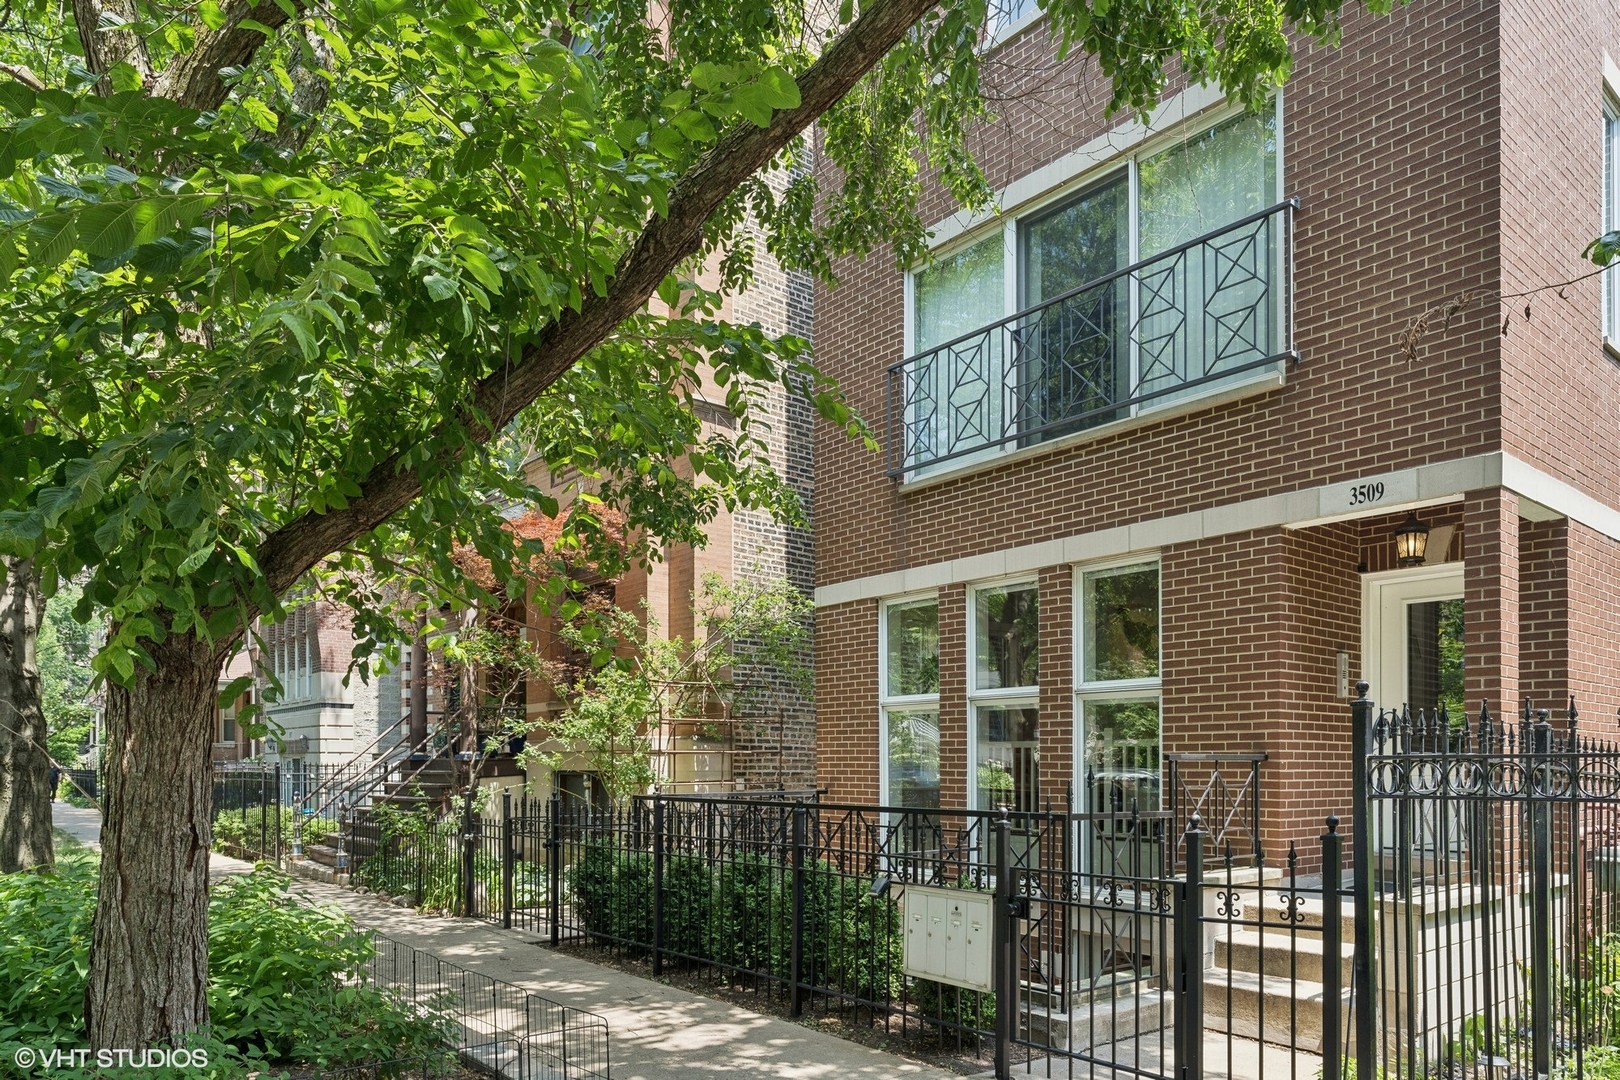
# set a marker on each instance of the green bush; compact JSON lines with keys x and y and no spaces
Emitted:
{"x":952,"y":1005}
{"x":611,"y":890}
{"x":239,"y":831}
{"x":283,"y":986}
{"x":281,"y":981}
{"x":68,"y":793}
{"x":751,"y":927}
{"x":688,"y":899}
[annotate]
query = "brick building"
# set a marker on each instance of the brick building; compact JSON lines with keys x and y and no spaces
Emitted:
{"x":1150,"y":430}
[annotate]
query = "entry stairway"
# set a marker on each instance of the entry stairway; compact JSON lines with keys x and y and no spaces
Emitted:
{"x":1266,"y":982}
{"x":383,"y":775}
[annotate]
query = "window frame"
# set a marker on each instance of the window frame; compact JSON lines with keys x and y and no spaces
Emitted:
{"x":1013,"y":221}
{"x":1107,"y":691}
{"x":1609,"y":201}
{"x":898,"y":703}
{"x":1007,"y":697}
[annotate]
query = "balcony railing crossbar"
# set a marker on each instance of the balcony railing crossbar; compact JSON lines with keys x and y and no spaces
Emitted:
{"x":1015,"y":342}
{"x":1125,"y":271}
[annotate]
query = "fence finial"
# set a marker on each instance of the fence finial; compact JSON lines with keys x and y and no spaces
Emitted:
{"x":1333,"y":823}
{"x":1573,"y":715}
{"x":1362,"y":686}
{"x":1195,"y":823}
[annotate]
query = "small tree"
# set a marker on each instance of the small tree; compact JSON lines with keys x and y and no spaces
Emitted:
{"x":637,"y":678}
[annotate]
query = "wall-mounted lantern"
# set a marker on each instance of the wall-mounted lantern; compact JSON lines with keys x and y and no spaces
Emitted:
{"x":1411,"y":542}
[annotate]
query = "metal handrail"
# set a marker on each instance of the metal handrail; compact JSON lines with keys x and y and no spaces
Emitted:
{"x":986,"y":425}
{"x":1291,"y":203}
{"x":353,"y":758}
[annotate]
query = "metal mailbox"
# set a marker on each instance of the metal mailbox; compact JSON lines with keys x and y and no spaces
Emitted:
{"x":949,"y":936}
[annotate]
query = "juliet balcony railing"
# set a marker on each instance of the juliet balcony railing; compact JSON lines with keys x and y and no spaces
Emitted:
{"x":1188,"y":321}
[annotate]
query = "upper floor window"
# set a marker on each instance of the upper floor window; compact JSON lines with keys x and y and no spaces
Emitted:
{"x":1162,"y":278}
{"x":1611,"y":216}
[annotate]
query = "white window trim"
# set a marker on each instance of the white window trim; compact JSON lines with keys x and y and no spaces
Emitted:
{"x":1097,"y":688}
{"x":956,"y":234}
{"x":1609,"y":309}
{"x":896,"y":702}
{"x":1115,"y":689}
{"x":1004,"y":696}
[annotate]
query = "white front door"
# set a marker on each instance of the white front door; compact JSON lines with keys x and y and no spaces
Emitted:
{"x":1412,"y":637}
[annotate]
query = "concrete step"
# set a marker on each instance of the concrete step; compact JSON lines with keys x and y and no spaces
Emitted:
{"x":1266,"y":1007}
{"x":1279,"y":953}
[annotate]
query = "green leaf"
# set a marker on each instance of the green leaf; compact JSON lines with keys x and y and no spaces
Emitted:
{"x":781,"y":92}
{"x":125,"y":76}
{"x":303,"y":330}
{"x":17,"y":99}
{"x":480,"y":267}
{"x":263,"y":117}
{"x":211,"y":14}
{"x":109,"y":228}
{"x":440,"y":287}
{"x":51,"y":240}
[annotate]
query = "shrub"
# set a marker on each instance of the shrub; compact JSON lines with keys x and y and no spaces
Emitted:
{"x":283,"y":984}
{"x":751,"y":927}
{"x":68,"y":793}
{"x":954,"y":1006}
{"x":688,"y":899}
{"x":611,"y":890}
{"x":236,"y":831}
{"x":282,"y":981}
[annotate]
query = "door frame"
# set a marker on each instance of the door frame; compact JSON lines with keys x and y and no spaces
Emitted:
{"x":1384,"y":595}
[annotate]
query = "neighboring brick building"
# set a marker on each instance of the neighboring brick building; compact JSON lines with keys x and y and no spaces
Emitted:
{"x":1156,"y":515}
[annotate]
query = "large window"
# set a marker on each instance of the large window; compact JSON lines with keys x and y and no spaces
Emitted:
{"x":1117,"y":696}
{"x":1078,"y":357}
{"x":1003,"y":698}
{"x":909,"y":696}
{"x":1611,"y":217}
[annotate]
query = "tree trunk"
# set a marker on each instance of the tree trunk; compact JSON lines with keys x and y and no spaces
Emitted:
{"x":149,"y":947}
{"x":25,"y":767}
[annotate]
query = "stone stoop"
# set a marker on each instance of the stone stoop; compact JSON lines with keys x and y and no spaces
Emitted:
{"x":1267,"y":984}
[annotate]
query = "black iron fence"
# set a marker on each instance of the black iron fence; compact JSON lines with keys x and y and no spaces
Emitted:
{"x":249,"y":815}
{"x":1092,"y":952}
{"x":1472,"y":929}
{"x":1194,"y":316}
{"x":1492,"y":891}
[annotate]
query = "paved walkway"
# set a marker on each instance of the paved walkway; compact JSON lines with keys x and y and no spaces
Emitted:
{"x":655,"y":1031}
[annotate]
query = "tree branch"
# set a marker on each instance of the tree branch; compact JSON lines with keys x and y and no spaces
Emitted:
{"x":23,"y":74}
{"x":192,"y":78}
{"x":296,"y":547}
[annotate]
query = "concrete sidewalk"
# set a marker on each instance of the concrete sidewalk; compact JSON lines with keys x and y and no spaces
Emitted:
{"x":655,"y":1031}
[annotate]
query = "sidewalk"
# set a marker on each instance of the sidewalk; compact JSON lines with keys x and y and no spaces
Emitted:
{"x":655,"y":1031}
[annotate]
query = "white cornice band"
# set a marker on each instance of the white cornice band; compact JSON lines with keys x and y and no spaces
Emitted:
{"x":1404,"y":489}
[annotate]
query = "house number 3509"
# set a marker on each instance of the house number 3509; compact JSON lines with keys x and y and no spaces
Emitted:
{"x":1361,"y":494}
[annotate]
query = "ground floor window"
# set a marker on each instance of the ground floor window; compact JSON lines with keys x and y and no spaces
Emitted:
{"x":911,"y":763}
{"x":1007,"y":765}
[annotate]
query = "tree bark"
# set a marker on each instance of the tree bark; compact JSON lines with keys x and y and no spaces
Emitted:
{"x":25,"y":767}
{"x":148,"y":981}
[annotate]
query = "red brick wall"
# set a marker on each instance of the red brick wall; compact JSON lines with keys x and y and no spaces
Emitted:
{"x":1057,"y":683}
{"x":1391,"y":143}
{"x":1491,"y":600}
{"x":1561,"y":390}
{"x":1594,"y":628}
{"x":846,"y":700}
{"x":1543,"y":613}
